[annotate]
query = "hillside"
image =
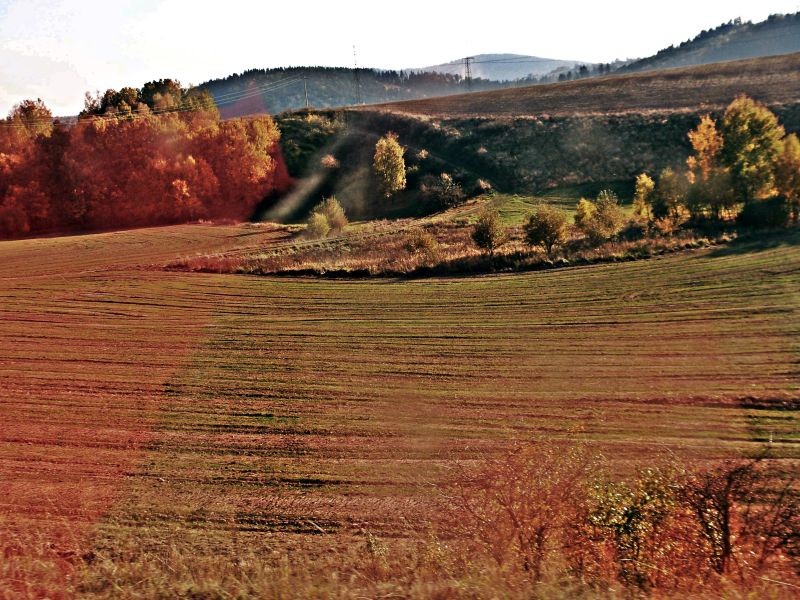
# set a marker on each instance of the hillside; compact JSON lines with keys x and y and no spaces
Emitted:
{"x":780,"y":34}
{"x":274,"y":409}
{"x":277,"y":90}
{"x":504,"y":67}
{"x":772,"y":80}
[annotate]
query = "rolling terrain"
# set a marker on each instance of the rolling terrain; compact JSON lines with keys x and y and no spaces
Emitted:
{"x":219,"y":434}
{"x":779,"y":34}
{"x":771,"y":80}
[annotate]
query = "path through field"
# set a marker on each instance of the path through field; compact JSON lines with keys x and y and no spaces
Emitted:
{"x":160,"y":426}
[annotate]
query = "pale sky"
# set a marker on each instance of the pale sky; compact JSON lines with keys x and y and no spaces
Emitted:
{"x":58,"y":49}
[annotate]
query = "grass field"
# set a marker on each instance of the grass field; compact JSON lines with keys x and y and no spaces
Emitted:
{"x":171,"y":434}
{"x":772,"y":80}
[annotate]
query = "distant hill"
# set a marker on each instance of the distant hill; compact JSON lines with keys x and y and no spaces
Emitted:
{"x":274,"y":91}
{"x":505,"y":67}
{"x":773,"y":80}
{"x":779,"y":34}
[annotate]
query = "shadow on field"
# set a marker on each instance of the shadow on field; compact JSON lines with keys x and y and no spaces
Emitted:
{"x":759,"y":241}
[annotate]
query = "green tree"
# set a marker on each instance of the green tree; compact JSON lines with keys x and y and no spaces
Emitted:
{"x":489,"y":233}
{"x":643,"y":196}
{"x":669,"y":195}
{"x":389,"y":165}
{"x":787,"y":174}
{"x":546,"y":227}
{"x":752,"y":142}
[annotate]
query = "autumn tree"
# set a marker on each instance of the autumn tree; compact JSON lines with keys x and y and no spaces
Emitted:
{"x":601,"y":219}
{"x":489,"y":233}
{"x":389,"y":165}
{"x":31,"y":118}
{"x":710,"y":190}
{"x":643,"y":196}
{"x":546,"y":227}
{"x":752,"y":144}
{"x":787,"y":174}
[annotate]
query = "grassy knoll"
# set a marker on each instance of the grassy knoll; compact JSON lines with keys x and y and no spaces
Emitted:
{"x":239,"y":435}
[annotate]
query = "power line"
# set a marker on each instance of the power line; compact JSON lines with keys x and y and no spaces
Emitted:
{"x":356,"y":77}
{"x":468,"y":70}
{"x":186,"y":106}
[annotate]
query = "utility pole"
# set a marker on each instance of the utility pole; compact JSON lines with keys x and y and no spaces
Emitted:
{"x":305,"y":89}
{"x":356,"y":76}
{"x":468,"y":71}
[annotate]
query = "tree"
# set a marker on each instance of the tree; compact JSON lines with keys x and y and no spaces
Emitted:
{"x":546,"y":227}
{"x":389,"y":165}
{"x":787,"y":174}
{"x":669,"y":195}
{"x":643,"y":196}
{"x":29,"y":119}
{"x":333,"y":212}
{"x":489,"y":233}
{"x":707,"y":144}
{"x":752,"y":143}
{"x":601,"y":219}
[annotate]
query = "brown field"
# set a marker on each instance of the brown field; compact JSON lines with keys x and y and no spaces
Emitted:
{"x":772,"y":80}
{"x":179,"y":434}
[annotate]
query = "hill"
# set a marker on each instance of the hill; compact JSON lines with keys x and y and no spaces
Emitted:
{"x":772,"y":80}
{"x":274,"y":91}
{"x":779,"y":34}
{"x":505,"y":67}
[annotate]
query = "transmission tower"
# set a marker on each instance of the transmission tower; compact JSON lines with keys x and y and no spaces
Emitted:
{"x":468,"y":71}
{"x":356,"y":77}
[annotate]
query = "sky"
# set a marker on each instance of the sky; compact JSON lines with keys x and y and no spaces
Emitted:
{"x":57,"y":50}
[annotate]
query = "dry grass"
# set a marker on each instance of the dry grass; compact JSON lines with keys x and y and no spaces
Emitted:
{"x":178,"y":434}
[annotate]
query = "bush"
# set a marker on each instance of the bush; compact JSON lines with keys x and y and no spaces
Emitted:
{"x":442,"y":191}
{"x":765,"y":213}
{"x":546,"y":227}
{"x":422,"y":243}
{"x":318,"y":226}
{"x":602,"y":219}
{"x":333,"y":212}
{"x":489,"y":233}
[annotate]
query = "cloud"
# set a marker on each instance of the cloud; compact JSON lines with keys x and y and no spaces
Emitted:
{"x":24,"y":76}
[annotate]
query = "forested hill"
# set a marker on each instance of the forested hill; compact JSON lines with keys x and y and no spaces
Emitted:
{"x":277,"y":90}
{"x":779,"y":34}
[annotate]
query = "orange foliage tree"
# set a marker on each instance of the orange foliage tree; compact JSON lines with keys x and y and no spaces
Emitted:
{"x":126,"y":165}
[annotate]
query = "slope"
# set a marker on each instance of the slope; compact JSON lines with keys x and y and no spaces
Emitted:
{"x":780,"y":34}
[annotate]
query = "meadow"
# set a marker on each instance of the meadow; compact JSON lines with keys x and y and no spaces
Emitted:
{"x":200,"y":435}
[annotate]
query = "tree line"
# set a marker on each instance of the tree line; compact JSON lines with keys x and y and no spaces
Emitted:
{"x":137,"y":157}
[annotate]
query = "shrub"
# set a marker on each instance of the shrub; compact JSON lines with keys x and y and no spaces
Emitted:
{"x":333,"y":212}
{"x":329,"y":162}
{"x":489,"y":233}
{"x":442,"y":191}
{"x":422,"y":243}
{"x":669,"y":195}
{"x":546,"y":227}
{"x":318,"y":226}
{"x":765,"y":213}
{"x":602,"y":219}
